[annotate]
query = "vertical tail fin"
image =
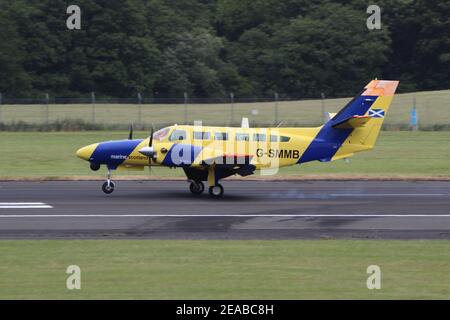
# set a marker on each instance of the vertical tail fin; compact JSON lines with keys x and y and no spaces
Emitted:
{"x":385,"y":91}
{"x":354,"y":128}
{"x":366,"y":127}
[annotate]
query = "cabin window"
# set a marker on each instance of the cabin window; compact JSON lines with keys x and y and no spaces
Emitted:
{"x":178,"y":135}
{"x":284,"y":139}
{"x":221,"y":136}
{"x":242,"y":137}
{"x":201,"y":135}
{"x":259,"y":137}
{"x":273,"y":138}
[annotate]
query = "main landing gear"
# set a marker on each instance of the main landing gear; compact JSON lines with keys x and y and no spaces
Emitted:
{"x":109,"y":185}
{"x":197,"y":187}
{"x":215,"y":188}
{"x":216,"y":191}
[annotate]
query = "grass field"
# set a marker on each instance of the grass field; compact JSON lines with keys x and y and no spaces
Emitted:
{"x":324,"y":269}
{"x":397,"y":153}
{"x":433,"y":109}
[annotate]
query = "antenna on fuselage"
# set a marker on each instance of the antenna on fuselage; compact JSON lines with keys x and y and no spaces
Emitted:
{"x":130,"y":134}
{"x":244,"y":123}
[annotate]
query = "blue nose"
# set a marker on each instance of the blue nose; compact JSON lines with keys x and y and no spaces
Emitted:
{"x":114,"y":153}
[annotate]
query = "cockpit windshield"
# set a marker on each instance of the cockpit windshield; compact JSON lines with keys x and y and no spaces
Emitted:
{"x":161,"y":134}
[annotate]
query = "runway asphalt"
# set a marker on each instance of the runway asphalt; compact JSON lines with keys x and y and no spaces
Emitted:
{"x":249,"y":210}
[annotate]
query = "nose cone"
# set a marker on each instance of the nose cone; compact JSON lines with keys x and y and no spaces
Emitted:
{"x":85,"y":153}
{"x":147,"y":151}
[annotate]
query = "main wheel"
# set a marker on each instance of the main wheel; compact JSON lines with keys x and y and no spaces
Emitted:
{"x":108,"y":188}
{"x":197,"y":187}
{"x":216,"y":191}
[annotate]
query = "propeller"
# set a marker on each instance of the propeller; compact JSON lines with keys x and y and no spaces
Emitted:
{"x":150,"y":144}
{"x":130,"y":135}
{"x":149,"y":151}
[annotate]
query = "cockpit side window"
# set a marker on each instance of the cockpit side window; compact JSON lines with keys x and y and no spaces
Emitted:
{"x":178,"y":135}
{"x":160,"y":135}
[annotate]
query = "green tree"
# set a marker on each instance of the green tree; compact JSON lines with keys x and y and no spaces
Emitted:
{"x":327,"y":50}
{"x":14,"y":81}
{"x":211,"y":48}
{"x":193,"y":64}
{"x":432,"y":50}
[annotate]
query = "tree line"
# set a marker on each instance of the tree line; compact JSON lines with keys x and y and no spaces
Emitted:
{"x":253,"y":48}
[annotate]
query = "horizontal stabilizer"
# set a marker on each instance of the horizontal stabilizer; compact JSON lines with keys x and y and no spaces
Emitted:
{"x":352,"y":122}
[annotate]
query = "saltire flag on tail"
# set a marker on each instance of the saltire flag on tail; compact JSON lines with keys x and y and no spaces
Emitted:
{"x":376,"y":113}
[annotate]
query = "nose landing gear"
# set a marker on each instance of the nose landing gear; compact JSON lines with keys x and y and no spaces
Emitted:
{"x":109,"y":185}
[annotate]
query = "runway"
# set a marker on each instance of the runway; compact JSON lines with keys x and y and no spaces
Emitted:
{"x":249,"y":210}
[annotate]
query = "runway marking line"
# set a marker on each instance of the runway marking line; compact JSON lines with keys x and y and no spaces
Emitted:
{"x":389,"y":195}
{"x":224,"y":215}
{"x":24,"y":205}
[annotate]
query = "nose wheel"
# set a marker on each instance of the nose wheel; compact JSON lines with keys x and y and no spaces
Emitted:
{"x":109,"y":185}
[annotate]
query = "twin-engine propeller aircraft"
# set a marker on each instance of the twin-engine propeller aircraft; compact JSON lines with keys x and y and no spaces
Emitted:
{"x":213,"y":153}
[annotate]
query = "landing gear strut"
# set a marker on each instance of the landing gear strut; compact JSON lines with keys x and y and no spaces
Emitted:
{"x":215,"y":188}
{"x":211,"y":175}
{"x":197,"y":187}
{"x":109,"y":185}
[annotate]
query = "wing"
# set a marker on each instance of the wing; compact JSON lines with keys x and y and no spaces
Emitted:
{"x":222,"y":171}
{"x":226,"y":164}
{"x":232,"y":164}
{"x":229,"y":160}
{"x":219,"y":157}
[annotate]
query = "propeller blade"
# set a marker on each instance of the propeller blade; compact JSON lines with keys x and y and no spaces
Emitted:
{"x":150,"y":143}
{"x":149,"y":151}
{"x":130,"y":135}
